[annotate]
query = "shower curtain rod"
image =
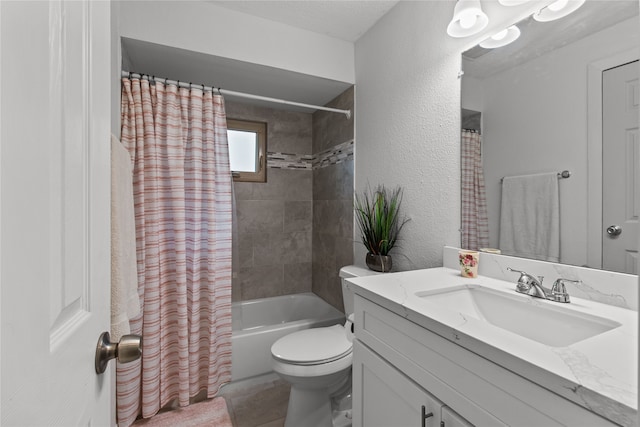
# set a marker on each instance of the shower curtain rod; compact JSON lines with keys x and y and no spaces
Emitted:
{"x":237,"y":94}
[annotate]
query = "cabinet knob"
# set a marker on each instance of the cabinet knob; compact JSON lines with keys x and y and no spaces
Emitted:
{"x":425,"y":416}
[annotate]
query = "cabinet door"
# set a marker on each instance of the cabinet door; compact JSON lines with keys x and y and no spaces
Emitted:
{"x":451,"y":419}
{"x":384,"y":397}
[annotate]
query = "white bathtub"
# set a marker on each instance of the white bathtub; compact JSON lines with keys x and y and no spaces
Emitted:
{"x":258,"y":323}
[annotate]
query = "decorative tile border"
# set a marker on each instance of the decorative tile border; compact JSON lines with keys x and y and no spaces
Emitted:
{"x":289,"y":161}
{"x":332,"y":156}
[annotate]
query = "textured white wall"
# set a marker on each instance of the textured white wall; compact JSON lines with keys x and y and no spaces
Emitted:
{"x":408,"y":120}
{"x":408,"y":125}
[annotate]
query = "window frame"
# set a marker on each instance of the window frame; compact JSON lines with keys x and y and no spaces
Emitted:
{"x":260,"y":129}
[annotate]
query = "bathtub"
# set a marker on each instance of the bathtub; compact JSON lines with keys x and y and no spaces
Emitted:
{"x":258,"y":323}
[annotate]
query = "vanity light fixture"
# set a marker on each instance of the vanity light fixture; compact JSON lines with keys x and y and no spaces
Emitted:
{"x":556,"y":10}
{"x":503,"y":38}
{"x":512,"y":2}
{"x":468,"y":19}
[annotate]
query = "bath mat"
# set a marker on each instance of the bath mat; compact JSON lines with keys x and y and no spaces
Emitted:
{"x":208,"y":413}
{"x":260,"y":405}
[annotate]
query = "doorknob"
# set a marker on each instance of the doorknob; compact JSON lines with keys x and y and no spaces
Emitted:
{"x":127,"y":350}
{"x":614,"y":230}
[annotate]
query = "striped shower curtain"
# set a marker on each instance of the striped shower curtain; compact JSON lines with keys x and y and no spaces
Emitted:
{"x":475,"y":223}
{"x":183,"y":211}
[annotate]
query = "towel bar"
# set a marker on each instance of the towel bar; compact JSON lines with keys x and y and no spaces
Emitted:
{"x":561,"y":175}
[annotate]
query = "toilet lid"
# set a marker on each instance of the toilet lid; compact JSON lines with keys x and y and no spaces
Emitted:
{"x":312,"y":346}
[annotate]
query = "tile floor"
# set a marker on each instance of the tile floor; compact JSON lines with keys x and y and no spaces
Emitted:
{"x":258,"y":402}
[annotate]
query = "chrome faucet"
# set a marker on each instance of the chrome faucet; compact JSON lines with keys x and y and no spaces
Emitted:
{"x":529,"y":285}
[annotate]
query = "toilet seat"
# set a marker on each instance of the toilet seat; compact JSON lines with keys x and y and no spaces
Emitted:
{"x":313,"y":371}
{"x":312,"y":346}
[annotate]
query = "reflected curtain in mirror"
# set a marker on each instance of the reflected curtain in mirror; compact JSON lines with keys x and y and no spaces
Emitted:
{"x":475,"y":225}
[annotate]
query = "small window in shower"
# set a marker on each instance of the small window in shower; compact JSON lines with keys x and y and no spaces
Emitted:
{"x":247,"y":150}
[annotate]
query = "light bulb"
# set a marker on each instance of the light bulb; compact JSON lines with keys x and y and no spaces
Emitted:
{"x":468,"y":20}
{"x":502,"y":38}
{"x":499,"y":36}
{"x":558,"y":5}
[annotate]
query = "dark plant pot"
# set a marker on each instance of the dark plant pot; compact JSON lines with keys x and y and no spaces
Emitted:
{"x":381,"y":263}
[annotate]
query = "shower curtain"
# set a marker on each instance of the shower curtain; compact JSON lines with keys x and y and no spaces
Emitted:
{"x":475,"y":223}
{"x":183,"y":210}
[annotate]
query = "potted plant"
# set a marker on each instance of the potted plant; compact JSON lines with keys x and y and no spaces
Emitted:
{"x":378,"y":217}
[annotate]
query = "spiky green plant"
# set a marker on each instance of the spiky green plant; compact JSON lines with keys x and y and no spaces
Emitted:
{"x":377,"y":215}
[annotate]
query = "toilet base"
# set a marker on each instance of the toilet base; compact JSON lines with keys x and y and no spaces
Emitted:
{"x":309,"y":407}
{"x":320,"y":402}
{"x":342,"y":418}
{"x":313,"y":408}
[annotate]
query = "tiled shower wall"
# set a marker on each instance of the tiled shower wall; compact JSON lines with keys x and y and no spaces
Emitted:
{"x":332,"y":198}
{"x":295,"y":231}
{"x":274,"y":219}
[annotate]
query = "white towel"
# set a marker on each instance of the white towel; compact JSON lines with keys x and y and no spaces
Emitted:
{"x":125,"y":303}
{"x":530,"y":217}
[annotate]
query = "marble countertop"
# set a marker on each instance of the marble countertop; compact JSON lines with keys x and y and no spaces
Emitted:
{"x":598,"y":373}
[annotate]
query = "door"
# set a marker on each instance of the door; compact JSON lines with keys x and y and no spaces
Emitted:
{"x":620,"y":168}
{"x":54,"y":211}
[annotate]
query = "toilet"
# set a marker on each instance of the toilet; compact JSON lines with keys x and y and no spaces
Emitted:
{"x":317,"y":364}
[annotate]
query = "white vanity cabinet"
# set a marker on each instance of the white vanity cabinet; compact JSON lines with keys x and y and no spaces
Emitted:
{"x":451,"y":419}
{"x":399,"y":367}
{"x":386,"y":397}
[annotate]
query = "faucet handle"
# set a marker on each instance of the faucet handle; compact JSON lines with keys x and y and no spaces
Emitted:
{"x":559,"y":291}
{"x":526,"y":280}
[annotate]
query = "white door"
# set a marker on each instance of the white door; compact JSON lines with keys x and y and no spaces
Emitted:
{"x":620,"y":168}
{"x":54,"y":211}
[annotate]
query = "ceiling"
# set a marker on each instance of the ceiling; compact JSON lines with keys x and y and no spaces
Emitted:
{"x":344,"y":20}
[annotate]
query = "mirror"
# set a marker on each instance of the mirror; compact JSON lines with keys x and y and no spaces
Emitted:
{"x":539,"y":101}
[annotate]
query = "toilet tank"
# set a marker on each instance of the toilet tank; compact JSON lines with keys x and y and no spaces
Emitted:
{"x":345,"y":273}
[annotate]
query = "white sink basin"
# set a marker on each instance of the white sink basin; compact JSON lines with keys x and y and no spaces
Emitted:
{"x":546,"y":322}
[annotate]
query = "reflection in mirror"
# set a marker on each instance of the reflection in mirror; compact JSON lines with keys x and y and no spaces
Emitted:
{"x":540,"y":106}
